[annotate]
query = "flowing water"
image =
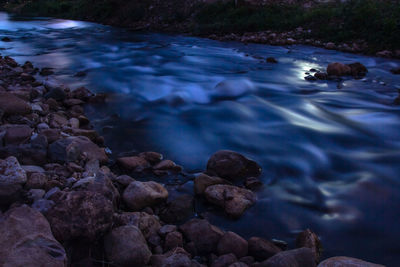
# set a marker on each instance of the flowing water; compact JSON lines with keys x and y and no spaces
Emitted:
{"x":330,"y":151}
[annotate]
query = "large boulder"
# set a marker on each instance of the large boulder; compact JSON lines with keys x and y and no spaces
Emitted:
{"x":12,"y":178}
{"x":262,"y":249}
{"x":234,"y":200}
{"x":338,"y":69}
{"x":231,"y":165}
{"x":74,"y":148}
{"x":126,"y":246}
{"x":13,"y":105}
{"x":301,"y":257}
{"x":26,"y":240}
{"x":204,"y":235}
{"x":232,"y":243}
{"x":342,"y":261}
{"x":80,"y":214}
{"x":139,"y":195}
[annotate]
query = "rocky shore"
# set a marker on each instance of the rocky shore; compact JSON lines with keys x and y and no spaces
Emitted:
{"x":65,"y":203}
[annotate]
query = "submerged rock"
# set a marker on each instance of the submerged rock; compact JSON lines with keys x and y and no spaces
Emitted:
{"x":26,"y":240}
{"x":232,"y":165}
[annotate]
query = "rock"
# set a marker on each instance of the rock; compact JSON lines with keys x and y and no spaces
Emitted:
{"x":168,"y":228}
{"x":338,"y":69}
{"x":152,"y":157}
{"x":80,"y":214}
{"x":80,"y":74}
{"x":148,"y":224}
{"x":57,"y":93}
{"x":36,"y":194}
{"x":82,"y":93}
{"x":174,"y":258}
{"x":395,"y":71}
{"x":10,"y":62}
{"x":139,"y":195}
{"x":321,"y":75}
{"x":36,"y":180}
{"x":384,"y":53}
{"x":253,"y":183}
{"x":134,"y":163}
{"x":42,"y":205}
{"x":173,"y":240}
{"x":27,"y":240}
{"x":301,"y":257}
{"x":232,"y":243}
{"x":224,"y":260}
{"x":262,"y":249}
{"x":310,"y":78}
{"x":309,"y":239}
{"x":12,"y":177}
{"x":231,"y":165}
{"x":272,"y":60}
{"x":357,"y":69}
{"x":204,"y":236}
{"x":12,"y":105}
{"x":74,"y":122}
{"x":178,"y":209}
{"x":57,"y":120}
{"x":46,"y":71}
{"x":126,"y":246}
{"x":202,"y":181}
{"x":234,"y":200}
{"x":17,"y":134}
{"x":51,"y":134}
{"x":124,"y":180}
{"x":74,"y":148}
{"x":6,"y":39}
{"x":238,"y":264}
{"x":167,"y":165}
{"x":249,"y":260}
{"x":342,"y":261}
{"x":330,"y":45}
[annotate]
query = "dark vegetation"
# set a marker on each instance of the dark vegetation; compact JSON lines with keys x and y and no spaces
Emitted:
{"x":375,"y":21}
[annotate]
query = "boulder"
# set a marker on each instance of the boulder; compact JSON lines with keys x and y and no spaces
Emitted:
{"x":139,"y":195}
{"x":342,"y":261}
{"x":338,"y":69}
{"x":80,"y":214}
{"x":16,"y":134}
{"x":126,"y":246}
{"x":231,"y":165}
{"x":204,"y":235}
{"x":262,"y":249}
{"x":12,"y":105}
{"x":357,"y":69}
{"x":152,"y":157}
{"x":301,"y":257}
{"x":234,"y":200}
{"x":12,"y":178}
{"x":232,"y":243}
{"x":202,"y":181}
{"x":26,"y":240}
{"x":134,"y":163}
{"x":224,"y":260}
{"x":74,"y":148}
{"x":309,"y":239}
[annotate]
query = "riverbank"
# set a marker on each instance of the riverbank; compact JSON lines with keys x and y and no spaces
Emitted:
{"x":64,"y":203}
{"x":367,"y":27}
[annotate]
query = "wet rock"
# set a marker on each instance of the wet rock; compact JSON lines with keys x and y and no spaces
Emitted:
{"x":346,"y":262}
{"x":74,"y":148}
{"x":231,"y":165}
{"x":10,"y":62}
{"x":310,"y":78}
{"x":173,"y":240}
{"x":272,"y":60}
{"x":17,"y":134}
{"x":234,"y":200}
{"x":321,"y":75}
{"x":204,"y":236}
{"x":253,"y":183}
{"x":202,"y":181}
{"x":178,"y":209}
{"x":224,"y":260}
{"x":82,"y":93}
{"x":167,"y":165}
{"x":152,"y":157}
{"x":134,"y":163}
{"x":301,"y":257}
{"x":384,"y":53}
{"x":12,"y":105}
{"x":262,"y":249}
{"x":232,"y":243}
{"x":80,"y":214}
{"x":148,"y":224}
{"x":139,"y":195}
{"x":12,"y":177}
{"x":126,"y":246}
{"x":357,"y":69}
{"x":338,"y":69}
{"x":57,"y":93}
{"x":26,"y":240}
{"x":309,"y":239}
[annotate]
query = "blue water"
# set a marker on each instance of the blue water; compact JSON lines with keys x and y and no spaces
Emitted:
{"x":330,"y":156}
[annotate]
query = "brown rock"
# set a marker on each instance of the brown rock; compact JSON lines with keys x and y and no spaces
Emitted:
{"x":36,"y":180}
{"x":126,"y":246}
{"x":139,"y":195}
{"x":204,"y":236}
{"x":357,"y":69}
{"x":173,"y":240}
{"x":234,"y":200}
{"x":80,"y":214}
{"x":27,"y":240}
{"x":232,"y":243}
{"x":148,"y":224}
{"x":203,"y":181}
{"x":177,"y":209}
{"x":224,"y":260}
{"x":134,"y":163}
{"x":346,"y":262}
{"x":262,"y":249}
{"x":12,"y":177}
{"x":12,"y":105}
{"x":309,"y":239}
{"x":167,"y":165}
{"x":338,"y":69}
{"x":17,"y":134}
{"x":152,"y":157}
{"x":231,"y":165}
{"x":82,"y":93}
{"x":301,"y":257}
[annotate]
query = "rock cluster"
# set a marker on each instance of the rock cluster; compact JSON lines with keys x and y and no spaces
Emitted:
{"x":61,"y":205}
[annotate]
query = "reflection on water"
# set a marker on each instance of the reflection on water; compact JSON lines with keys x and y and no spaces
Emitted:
{"x":330,"y":156}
